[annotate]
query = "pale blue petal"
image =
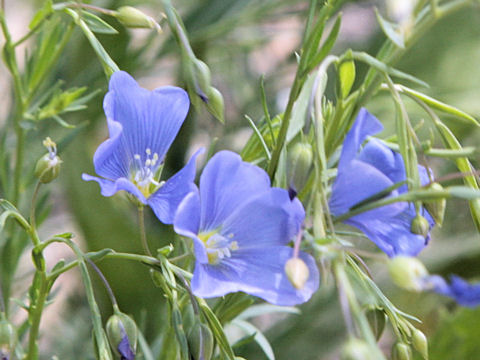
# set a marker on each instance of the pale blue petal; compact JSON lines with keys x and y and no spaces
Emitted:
{"x":259,"y":272}
{"x":187,"y":223}
{"x":165,"y":200}
{"x":150,"y":119}
{"x":461,"y":291}
{"x":270,"y":219}
{"x":109,"y":188}
{"x":365,"y":125}
{"x":227,"y":182}
{"x":358,"y":182}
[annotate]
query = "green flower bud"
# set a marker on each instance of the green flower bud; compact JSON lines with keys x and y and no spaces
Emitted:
{"x":407,"y":272}
{"x":420,"y":343}
{"x":355,"y":349}
{"x":297,"y":272}
{"x":131,"y":17}
{"x":420,"y":226}
{"x":299,"y":164}
{"x":200,"y":341}
{"x":122,"y":335}
{"x":8,"y":339}
{"x":436,"y":208}
{"x":215,"y":104}
{"x":401,"y":351}
{"x":48,"y":166}
{"x":376,"y":319}
{"x":203,"y":77}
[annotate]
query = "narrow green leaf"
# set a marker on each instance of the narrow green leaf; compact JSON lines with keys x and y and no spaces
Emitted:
{"x":97,"y":25}
{"x":41,"y":14}
{"x":217,"y":330}
{"x":259,"y":136}
{"x":382,"y":67}
{"x":262,"y":309}
{"x":438,"y":105}
{"x":464,"y":192}
{"x":259,"y":338}
{"x":327,"y":45}
{"x":391,"y":31}
{"x":346,"y":75}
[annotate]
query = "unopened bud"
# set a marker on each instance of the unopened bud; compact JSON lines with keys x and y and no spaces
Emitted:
{"x":200,"y":342}
{"x":401,"y":351}
{"x":48,"y":166}
{"x":215,"y":104}
{"x":376,"y":319}
{"x":131,"y":17}
{"x":202,"y":75}
{"x":420,"y":343}
{"x":420,"y":226}
{"x":355,"y":349}
{"x":346,"y":74}
{"x":297,"y":272}
{"x":407,"y":272}
{"x":122,"y":334}
{"x":8,"y":339}
{"x":436,"y":208}
{"x":299,"y":164}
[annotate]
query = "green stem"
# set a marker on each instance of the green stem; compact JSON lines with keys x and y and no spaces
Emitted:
{"x":143,"y":236}
{"x":35,"y":315}
{"x":33,"y":226}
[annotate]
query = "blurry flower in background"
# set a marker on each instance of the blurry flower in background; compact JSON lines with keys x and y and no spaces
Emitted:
{"x":142,"y":125}
{"x":366,"y":171}
{"x":461,"y":291}
{"x":240,"y":227}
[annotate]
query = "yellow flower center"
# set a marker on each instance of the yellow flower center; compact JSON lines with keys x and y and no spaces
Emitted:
{"x":218,"y":246}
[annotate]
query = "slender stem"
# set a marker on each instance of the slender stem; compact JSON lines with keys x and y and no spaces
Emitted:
{"x":296,"y":245}
{"x":32,"y":205}
{"x":93,"y":8}
{"x":2,"y":301}
{"x":111,"y":295}
{"x":143,"y":236}
{"x":36,"y":310}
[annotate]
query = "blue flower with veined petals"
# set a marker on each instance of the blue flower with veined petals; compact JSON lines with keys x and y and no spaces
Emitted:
{"x":240,"y":228}
{"x":142,"y":125}
{"x":461,"y":291}
{"x":366,"y":171}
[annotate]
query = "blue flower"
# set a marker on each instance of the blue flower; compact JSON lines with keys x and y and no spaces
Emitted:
{"x":366,"y":171}
{"x":142,"y":125}
{"x":461,"y":291}
{"x":240,"y":228}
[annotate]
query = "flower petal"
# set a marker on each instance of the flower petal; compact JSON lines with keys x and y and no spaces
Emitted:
{"x":187,"y":223}
{"x":270,"y":219}
{"x":259,"y":272}
{"x":461,"y":291}
{"x":358,"y":182}
{"x":165,"y":200}
{"x":109,"y":188}
{"x":150,"y":119}
{"x":365,"y":124}
{"x":227,"y":182}
{"x":392,"y":234}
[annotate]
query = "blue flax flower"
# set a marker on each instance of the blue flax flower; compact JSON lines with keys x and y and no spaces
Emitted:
{"x":142,"y":125}
{"x":366,"y":171}
{"x":240,"y":228}
{"x":461,"y":291}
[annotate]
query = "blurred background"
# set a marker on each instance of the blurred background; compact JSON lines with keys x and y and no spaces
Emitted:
{"x":242,"y":40}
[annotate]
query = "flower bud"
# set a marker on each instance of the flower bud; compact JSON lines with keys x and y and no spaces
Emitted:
{"x":376,"y":319}
{"x":299,"y":164}
{"x":202,"y":75}
{"x":407,"y":272}
{"x":215,"y":104}
{"x":8,"y":339}
{"x":48,"y":166}
{"x":401,"y":351}
{"x":436,"y":208}
{"x":346,"y":74}
{"x":200,"y":341}
{"x":122,"y":334}
{"x":420,"y":226}
{"x":131,"y":17}
{"x":297,"y":272}
{"x":355,"y":349}
{"x":420,"y":343}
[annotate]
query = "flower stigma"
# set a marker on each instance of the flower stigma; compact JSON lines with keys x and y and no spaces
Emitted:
{"x":218,"y":246}
{"x":144,"y":172}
